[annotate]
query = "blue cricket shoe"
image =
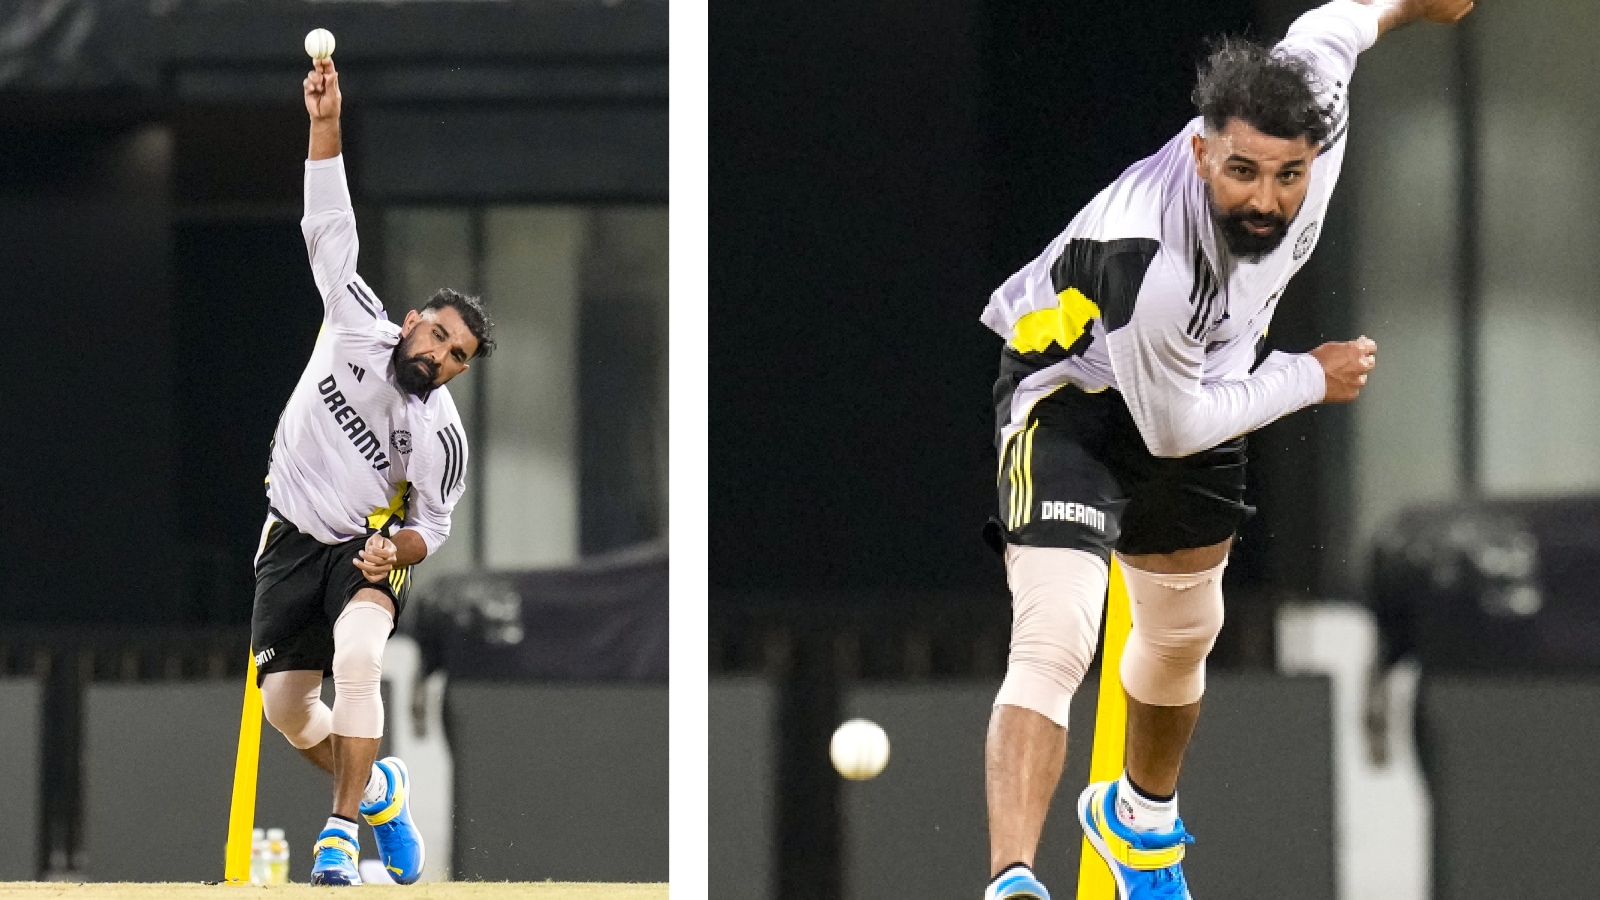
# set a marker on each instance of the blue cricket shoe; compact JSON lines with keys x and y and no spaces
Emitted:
{"x":1016,"y":883}
{"x":1146,"y":865}
{"x":335,"y":860}
{"x":399,"y":842}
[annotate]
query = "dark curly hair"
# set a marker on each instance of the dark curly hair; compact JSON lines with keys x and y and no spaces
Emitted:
{"x":1273,"y":92}
{"x":472,"y":313}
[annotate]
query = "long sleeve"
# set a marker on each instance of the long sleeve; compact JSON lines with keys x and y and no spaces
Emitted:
{"x":329,"y":227}
{"x":1330,"y":37}
{"x":1160,"y":367}
{"x":439,"y":481}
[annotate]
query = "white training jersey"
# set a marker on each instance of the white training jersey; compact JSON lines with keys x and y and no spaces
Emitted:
{"x":1141,"y":294}
{"x":353,"y":452}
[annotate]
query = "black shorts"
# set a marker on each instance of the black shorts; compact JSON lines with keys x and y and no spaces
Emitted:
{"x":1078,"y":475}
{"x":302,"y":585}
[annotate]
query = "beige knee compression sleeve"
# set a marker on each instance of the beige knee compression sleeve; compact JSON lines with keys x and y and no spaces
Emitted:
{"x":1056,"y":597}
{"x":293,"y":703}
{"x":359,"y":636}
{"x":1175,"y":621}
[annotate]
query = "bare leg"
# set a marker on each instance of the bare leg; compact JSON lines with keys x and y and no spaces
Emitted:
{"x":1023,"y":758}
{"x":352,"y":767}
{"x":1157,"y":739}
{"x":1158,"y":735}
{"x":321,"y":755}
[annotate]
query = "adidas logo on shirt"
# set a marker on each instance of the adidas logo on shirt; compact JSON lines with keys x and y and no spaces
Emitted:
{"x":360,"y":372}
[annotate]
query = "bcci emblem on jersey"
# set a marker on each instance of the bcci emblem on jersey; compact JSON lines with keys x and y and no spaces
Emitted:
{"x":401,"y":441}
{"x":1302,"y":244}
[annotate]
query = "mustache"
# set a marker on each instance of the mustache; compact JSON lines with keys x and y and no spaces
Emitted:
{"x":1251,"y":217}
{"x":428,"y":365}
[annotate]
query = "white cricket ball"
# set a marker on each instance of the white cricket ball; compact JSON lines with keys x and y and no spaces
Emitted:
{"x":859,"y":749}
{"x":319,"y":43}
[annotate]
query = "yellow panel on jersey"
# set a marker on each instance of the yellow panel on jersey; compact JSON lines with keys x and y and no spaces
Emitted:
{"x":1062,"y":324}
{"x":396,"y":508}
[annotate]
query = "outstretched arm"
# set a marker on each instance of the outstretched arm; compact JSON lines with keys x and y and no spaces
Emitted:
{"x":1394,"y":13}
{"x":322,"y":102}
{"x":329,"y":224}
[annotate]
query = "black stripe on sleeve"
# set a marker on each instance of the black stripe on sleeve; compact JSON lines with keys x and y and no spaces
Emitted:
{"x":1194,"y":288}
{"x":1213,"y":290}
{"x":1205,"y":285}
{"x":454,"y":468}
{"x":372,"y":304}
{"x":354,"y":292}
{"x":1197,"y":291}
{"x":449,"y":463}
{"x":461,"y":459}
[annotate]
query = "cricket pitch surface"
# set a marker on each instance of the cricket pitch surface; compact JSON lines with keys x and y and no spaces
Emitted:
{"x":454,"y":890}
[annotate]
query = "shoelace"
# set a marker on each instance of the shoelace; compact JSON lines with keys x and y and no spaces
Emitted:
{"x":1168,"y":884}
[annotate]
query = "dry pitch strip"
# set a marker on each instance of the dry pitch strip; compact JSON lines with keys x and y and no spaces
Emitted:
{"x":462,"y":890}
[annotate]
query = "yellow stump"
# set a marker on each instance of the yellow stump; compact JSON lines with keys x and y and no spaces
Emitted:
{"x":1110,"y":730}
{"x":241,"y":817}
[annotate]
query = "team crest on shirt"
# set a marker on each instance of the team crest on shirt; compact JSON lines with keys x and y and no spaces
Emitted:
{"x":401,"y":441}
{"x":1302,"y":244}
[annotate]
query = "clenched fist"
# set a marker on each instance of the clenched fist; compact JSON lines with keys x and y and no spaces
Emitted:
{"x":377,"y":558}
{"x":1346,"y":365}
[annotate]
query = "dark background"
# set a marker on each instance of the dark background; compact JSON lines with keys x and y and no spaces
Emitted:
{"x":159,"y":303}
{"x":877,"y":170}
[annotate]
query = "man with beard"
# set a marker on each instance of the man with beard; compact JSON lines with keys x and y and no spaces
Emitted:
{"x":367,"y":464}
{"x":1131,"y":371}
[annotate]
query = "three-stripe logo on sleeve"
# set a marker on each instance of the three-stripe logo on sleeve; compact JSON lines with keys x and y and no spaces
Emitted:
{"x":366,"y":300}
{"x":455,"y":460}
{"x":1203,"y":297}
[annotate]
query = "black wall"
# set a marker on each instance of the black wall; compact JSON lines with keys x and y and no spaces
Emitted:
{"x":159,"y":303}
{"x":86,"y":473}
{"x":877,"y":169}
{"x":846,"y":228}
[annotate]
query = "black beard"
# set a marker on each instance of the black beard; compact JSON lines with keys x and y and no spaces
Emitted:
{"x":415,"y":374}
{"x":1244,"y":243}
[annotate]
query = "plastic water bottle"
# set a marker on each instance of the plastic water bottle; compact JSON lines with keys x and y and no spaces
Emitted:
{"x":258,"y":857}
{"x":277,"y":857}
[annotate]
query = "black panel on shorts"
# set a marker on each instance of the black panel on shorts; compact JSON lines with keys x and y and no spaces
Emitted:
{"x":1078,"y":475}
{"x":302,"y":585}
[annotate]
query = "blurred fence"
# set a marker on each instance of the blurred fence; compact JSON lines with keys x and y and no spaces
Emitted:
{"x":919,"y":829}
{"x":1493,"y":601}
{"x":536,"y":765}
{"x":786,"y":671}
